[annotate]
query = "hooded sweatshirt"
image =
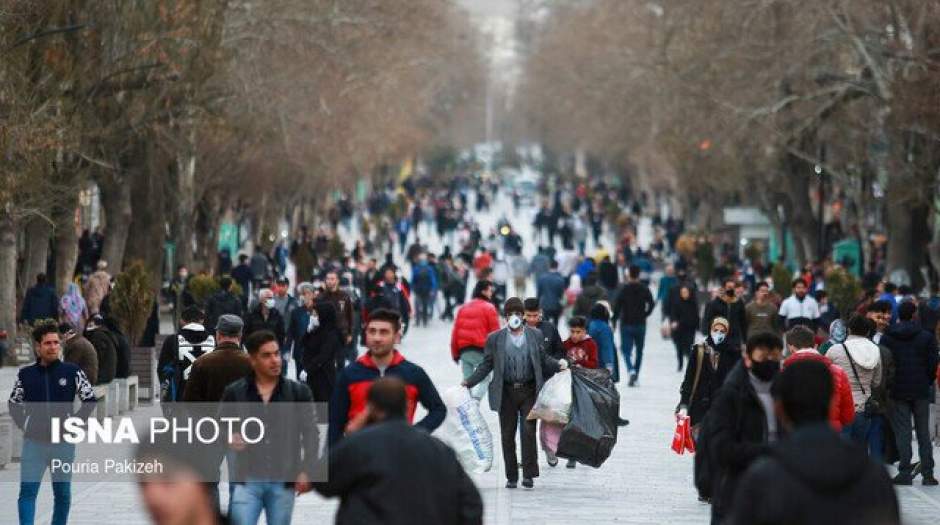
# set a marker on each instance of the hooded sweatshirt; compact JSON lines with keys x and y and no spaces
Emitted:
{"x":866,"y":357}
{"x":815,"y":477}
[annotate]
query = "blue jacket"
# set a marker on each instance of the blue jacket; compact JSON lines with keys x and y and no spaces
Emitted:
{"x":40,"y":303}
{"x":417,"y":271}
{"x":601,"y":333}
{"x":585,"y":268}
{"x":915,"y":360}
{"x":550,"y":289}
{"x":43,"y":392}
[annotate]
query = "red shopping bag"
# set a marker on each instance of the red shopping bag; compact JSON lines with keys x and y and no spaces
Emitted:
{"x":682,"y":438}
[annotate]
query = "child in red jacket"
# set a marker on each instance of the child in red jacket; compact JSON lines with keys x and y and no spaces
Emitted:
{"x":581,"y":349}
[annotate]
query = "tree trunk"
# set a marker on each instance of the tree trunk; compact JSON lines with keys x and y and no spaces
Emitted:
{"x":116,"y":202}
{"x":8,"y":276}
{"x":186,"y":199}
{"x":36,"y":235}
{"x":146,"y":232}
{"x":898,"y":222}
{"x":65,"y":243}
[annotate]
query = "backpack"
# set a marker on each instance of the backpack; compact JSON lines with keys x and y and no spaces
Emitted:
{"x":177,"y":371}
{"x":422,"y":281}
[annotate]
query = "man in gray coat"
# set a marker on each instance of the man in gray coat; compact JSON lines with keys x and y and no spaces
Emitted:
{"x":514,"y":355}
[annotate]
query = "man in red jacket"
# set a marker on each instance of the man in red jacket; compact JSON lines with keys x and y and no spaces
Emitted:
{"x":801,"y":344}
{"x":475,"y":321}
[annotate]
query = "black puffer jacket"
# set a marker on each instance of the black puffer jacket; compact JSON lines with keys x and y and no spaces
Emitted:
{"x":710,"y":378}
{"x":915,"y":359}
{"x":814,"y":477}
{"x":321,"y":348}
{"x":737,"y":437}
{"x":395,"y":474}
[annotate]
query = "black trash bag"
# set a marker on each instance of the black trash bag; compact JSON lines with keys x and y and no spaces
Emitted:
{"x":591,"y":432}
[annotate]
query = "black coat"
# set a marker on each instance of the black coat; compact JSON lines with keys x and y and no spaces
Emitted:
{"x":685,"y":313}
{"x":733,"y":311}
{"x":321,"y":347}
{"x":104,"y":345}
{"x":737,"y":436}
{"x":221,"y":303}
{"x":915,"y":360}
{"x":815,"y":477}
{"x":123,"y":348}
{"x":710,"y":378}
{"x":255,"y":322}
{"x":394,"y":474}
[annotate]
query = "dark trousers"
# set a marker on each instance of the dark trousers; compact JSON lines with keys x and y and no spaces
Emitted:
{"x":901,"y":414}
{"x":516,"y":404}
{"x":683,"y":342}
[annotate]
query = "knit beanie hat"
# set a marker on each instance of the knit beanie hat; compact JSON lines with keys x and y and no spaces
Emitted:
{"x":720,"y":321}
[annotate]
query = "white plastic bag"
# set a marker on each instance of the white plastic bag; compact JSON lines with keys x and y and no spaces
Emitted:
{"x":554,"y":402}
{"x":466,"y":431}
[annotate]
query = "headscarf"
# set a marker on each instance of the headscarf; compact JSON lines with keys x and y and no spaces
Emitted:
{"x":73,"y":306}
{"x":838,"y":332}
{"x":600,"y":312}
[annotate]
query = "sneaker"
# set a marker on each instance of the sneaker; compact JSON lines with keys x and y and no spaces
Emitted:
{"x":571,"y":464}
{"x":929,"y":481}
{"x":527,"y":483}
{"x":621,"y":422}
{"x":511,"y":484}
{"x":903,"y":479}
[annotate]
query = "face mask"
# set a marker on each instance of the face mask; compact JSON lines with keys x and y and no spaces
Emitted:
{"x":766,"y":370}
{"x":718,"y":337}
{"x":515,"y":322}
{"x":314,"y":323}
{"x":269,"y":303}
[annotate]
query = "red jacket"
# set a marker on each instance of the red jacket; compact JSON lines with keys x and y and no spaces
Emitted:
{"x":475,"y":321}
{"x":589,"y":357}
{"x":841,"y":406}
{"x":482,"y":262}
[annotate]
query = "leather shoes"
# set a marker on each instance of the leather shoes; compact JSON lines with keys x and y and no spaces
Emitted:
{"x":930,"y":481}
{"x":528,"y":483}
{"x":511,"y":484}
{"x":903,"y":479}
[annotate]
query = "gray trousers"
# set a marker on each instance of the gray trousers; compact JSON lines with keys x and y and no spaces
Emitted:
{"x":901,"y":415}
{"x":470,"y":359}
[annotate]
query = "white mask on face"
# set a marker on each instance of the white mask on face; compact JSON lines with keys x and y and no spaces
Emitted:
{"x":269,"y":303}
{"x":718,"y":337}
{"x":515,"y":322}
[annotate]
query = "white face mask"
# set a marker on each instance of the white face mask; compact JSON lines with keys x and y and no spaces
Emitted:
{"x":718,"y":337}
{"x":269,"y":303}
{"x":515,"y":322}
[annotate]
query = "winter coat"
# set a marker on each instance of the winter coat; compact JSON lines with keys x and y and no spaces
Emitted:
{"x":685,"y":314}
{"x":550,"y":289}
{"x":107,"y":353}
{"x":539,"y":266}
{"x":607,"y":275}
{"x":393,"y":474}
{"x":352,"y":389}
{"x":634,"y":303}
{"x":841,"y":406}
{"x":730,"y":309}
{"x":221,"y":303}
{"x":762,"y":318}
{"x":603,"y":336}
{"x":475,"y":321}
{"x":583,"y":353}
{"x":175,"y":365}
{"x":711,"y":377}
{"x":551,"y":341}
{"x":255,"y":322}
{"x":320,"y":349}
{"x":80,"y":352}
{"x":214,"y":371}
{"x":493,"y":362}
{"x":915,"y":360}
{"x":40,"y":302}
{"x":589,"y":296}
{"x":738,"y":435}
{"x":43,"y":392}
{"x":867,"y":373}
{"x":815,"y":477}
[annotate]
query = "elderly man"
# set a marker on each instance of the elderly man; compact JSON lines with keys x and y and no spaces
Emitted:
{"x":265,"y":316}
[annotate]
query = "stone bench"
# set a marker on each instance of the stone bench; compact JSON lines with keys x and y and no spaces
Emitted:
{"x":104,"y":399}
{"x":128,"y":388}
{"x":7,"y":428}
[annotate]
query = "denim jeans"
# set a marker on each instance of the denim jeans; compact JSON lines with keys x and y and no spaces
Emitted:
{"x":275,"y":498}
{"x":901,"y":414}
{"x":876,"y":438}
{"x":857,"y":431}
{"x":36,"y":458}
{"x":630,"y":335}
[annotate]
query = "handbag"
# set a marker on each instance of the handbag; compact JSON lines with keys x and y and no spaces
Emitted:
{"x":872,"y":406}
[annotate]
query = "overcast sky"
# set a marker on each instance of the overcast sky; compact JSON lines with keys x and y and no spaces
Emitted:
{"x":489,"y":7}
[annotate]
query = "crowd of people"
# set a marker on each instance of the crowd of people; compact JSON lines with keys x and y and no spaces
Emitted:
{"x":788,"y":398}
